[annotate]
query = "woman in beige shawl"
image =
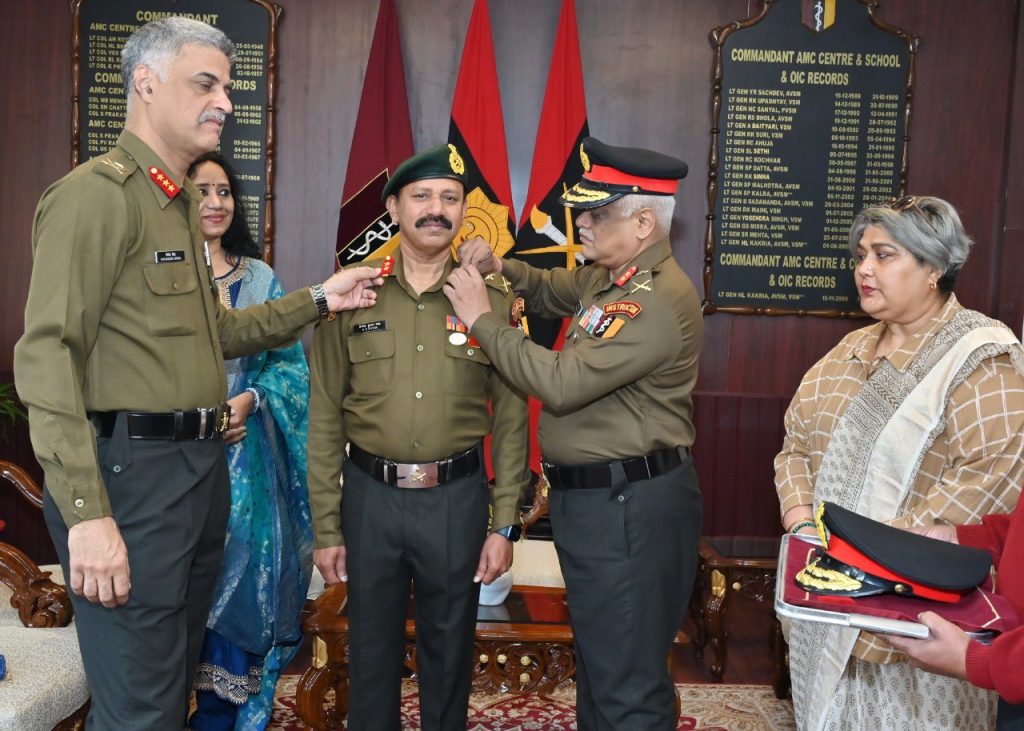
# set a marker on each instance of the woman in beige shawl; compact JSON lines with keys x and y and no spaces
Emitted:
{"x":914,"y":420}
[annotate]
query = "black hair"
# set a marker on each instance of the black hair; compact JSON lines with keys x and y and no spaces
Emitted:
{"x":237,"y":241}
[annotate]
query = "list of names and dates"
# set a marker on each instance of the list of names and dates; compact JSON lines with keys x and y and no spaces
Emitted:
{"x":105,"y":25}
{"x":811,"y":131}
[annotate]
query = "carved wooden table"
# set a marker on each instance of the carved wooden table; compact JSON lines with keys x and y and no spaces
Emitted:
{"x":734,"y":564}
{"x":522,"y":646}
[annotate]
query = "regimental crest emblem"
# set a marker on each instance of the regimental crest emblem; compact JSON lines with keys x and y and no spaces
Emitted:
{"x":455,"y":160}
{"x":819,"y":15}
{"x":585,"y":159}
{"x":486,"y":219}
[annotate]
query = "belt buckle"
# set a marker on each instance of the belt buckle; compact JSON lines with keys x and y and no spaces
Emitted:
{"x":417,"y":475}
{"x":223,"y":419}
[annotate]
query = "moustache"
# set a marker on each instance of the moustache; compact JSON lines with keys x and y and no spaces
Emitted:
{"x":212,"y":115}
{"x":440,"y":220}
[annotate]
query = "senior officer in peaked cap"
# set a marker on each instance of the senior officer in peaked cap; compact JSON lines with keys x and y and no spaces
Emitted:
{"x":616,"y":426}
{"x":407,"y":389}
{"x":122,"y":369}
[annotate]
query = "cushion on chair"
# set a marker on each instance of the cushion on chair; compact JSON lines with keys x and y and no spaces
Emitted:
{"x":45,"y":680}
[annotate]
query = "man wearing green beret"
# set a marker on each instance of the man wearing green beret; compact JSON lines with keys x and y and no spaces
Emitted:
{"x":408,"y":390}
{"x":616,"y":426}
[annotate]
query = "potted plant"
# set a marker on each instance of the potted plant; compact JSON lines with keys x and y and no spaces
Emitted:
{"x":10,"y":409}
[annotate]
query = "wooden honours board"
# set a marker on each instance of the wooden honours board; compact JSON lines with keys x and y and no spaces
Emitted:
{"x":99,"y":31}
{"x":810,"y":108}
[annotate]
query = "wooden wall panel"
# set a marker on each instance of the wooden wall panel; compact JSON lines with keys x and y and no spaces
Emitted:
{"x":647,"y":67}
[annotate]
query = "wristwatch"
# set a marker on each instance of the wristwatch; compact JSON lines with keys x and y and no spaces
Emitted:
{"x":512,"y":532}
{"x":320,"y":298}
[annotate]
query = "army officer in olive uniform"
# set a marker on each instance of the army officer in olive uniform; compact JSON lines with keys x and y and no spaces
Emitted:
{"x":407,"y":388}
{"x":122,"y":369}
{"x":616,"y":426}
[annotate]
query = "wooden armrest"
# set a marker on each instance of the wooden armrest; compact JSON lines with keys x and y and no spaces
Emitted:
{"x":23,"y":482}
{"x":39,"y":601}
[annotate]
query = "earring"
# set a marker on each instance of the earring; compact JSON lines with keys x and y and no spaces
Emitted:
{"x":933,"y":284}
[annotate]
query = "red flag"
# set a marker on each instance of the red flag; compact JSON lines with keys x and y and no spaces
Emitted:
{"x":382,"y":140}
{"x":478,"y":133}
{"x":547,"y":235}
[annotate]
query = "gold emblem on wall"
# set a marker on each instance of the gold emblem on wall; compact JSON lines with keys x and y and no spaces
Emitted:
{"x":486,"y":219}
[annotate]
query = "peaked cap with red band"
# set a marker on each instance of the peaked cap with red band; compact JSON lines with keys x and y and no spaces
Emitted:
{"x":862,"y":557}
{"x":612,"y":172}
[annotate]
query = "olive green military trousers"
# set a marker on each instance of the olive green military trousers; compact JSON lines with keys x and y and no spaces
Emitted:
{"x":426,"y":540}
{"x":170,"y":501}
{"x":628,"y":554}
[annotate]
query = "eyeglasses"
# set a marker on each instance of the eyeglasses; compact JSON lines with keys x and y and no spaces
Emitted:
{"x":904,"y":203}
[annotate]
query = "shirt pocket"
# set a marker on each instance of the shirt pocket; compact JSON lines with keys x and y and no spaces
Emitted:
{"x":465,"y":369}
{"x":372,"y":359}
{"x":168,"y":312}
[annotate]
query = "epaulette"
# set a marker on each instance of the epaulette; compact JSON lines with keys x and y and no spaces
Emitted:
{"x":499,"y":282}
{"x":116,"y":165}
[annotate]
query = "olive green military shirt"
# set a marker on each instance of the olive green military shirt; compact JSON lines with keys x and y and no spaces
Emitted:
{"x":122,"y":315}
{"x":614,"y":390}
{"x":390,"y":379}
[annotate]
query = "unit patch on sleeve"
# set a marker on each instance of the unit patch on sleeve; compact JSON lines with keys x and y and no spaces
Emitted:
{"x":624,"y":307}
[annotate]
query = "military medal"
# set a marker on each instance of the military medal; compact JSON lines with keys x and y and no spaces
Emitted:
{"x":458,"y":332}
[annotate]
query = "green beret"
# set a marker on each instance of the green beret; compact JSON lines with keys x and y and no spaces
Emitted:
{"x":443,"y":161}
{"x":612,"y":172}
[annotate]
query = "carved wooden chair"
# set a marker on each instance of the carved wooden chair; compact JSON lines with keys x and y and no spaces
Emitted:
{"x":45,"y":685}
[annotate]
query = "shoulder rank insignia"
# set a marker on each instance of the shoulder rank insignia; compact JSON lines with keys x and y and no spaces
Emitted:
{"x":626,"y":276}
{"x":643,"y":286}
{"x":118,"y":167}
{"x":625,"y":307}
{"x":168,"y":186}
{"x":387,"y":266}
{"x":498,"y":281}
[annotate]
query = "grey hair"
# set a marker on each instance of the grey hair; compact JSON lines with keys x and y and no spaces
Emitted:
{"x":156,"y":43}
{"x":929,"y":228}
{"x":662,"y":205}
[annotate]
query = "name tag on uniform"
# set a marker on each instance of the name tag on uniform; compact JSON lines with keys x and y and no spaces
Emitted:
{"x":369,"y":327}
{"x":167,"y":257}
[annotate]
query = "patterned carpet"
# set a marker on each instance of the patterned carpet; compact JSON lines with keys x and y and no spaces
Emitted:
{"x":704,"y":708}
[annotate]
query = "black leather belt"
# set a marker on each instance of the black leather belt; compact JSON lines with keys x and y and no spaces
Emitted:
{"x":414,"y":475}
{"x":176,"y":425}
{"x":600,"y":475}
